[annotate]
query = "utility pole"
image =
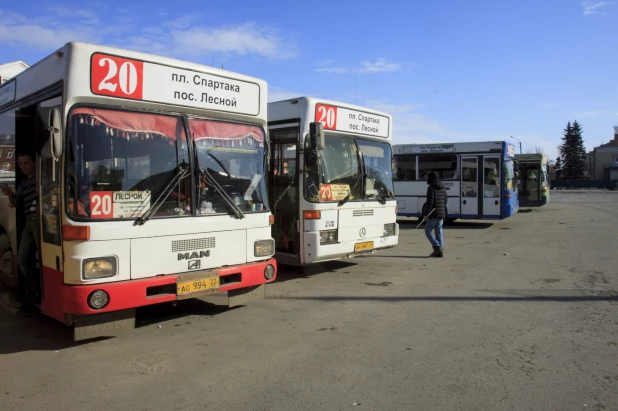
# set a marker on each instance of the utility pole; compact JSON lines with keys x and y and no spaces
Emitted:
{"x":520,"y":151}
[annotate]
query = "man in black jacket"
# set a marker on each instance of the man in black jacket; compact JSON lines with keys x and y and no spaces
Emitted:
{"x":436,"y":201}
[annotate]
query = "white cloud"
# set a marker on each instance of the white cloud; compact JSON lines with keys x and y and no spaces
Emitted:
{"x":378,"y":66}
{"x":587,"y":114}
{"x":410,"y":126}
{"x":594,"y":7}
{"x":181,"y":22}
{"x":43,"y":38}
{"x":243,"y":39}
{"x":277,"y":94}
{"x":173,"y":36}
{"x":337,"y":70}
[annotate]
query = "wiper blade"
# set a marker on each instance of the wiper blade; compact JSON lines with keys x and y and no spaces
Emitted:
{"x":181,"y":172}
{"x":380,"y":186}
{"x":219,"y":190}
{"x":347,"y":197}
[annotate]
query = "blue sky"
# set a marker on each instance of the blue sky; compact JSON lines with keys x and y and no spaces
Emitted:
{"x":447,"y":70}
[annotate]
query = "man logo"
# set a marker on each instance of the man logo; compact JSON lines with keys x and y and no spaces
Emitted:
{"x":194,"y":264}
{"x":194,"y":254}
{"x":362,"y":232}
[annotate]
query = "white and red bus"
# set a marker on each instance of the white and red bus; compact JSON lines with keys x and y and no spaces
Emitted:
{"x":331,"y":183}
{"x":151,"y":181}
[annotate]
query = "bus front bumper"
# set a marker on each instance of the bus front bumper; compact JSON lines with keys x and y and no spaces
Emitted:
{"x":316,"y":252}
{"x":73,"y":299}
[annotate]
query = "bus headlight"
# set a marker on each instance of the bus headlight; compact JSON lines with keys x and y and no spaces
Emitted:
{"x":93,"y":268}
{"x":328,"y":237}
{"x":389,"y":230}
{"x":264,"y":248}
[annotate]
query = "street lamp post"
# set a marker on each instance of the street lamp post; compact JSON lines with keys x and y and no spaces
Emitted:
{"x":520,"y":151}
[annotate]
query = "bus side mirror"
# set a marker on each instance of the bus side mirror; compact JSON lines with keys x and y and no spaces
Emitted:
{"x":55,"y":133}
{"x":316,"y":135}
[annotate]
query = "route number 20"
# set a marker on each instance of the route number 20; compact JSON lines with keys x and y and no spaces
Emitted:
{"x":326,"y":192}
{"x":101,"y":204}
{"x":327,"y":115}
{"x":116,"y":76}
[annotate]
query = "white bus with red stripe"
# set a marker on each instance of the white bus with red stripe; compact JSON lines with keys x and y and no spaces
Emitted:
{"x":151,"y":179}
{"x":330,"y":181}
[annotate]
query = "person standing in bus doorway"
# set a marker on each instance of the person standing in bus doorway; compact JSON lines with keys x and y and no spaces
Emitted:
{"x":26,"y":196}
{"x":436,"y":201}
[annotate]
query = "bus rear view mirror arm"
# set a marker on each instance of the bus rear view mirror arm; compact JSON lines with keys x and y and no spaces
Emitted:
{"x":316,"y":136}
{"x":55,"y":133}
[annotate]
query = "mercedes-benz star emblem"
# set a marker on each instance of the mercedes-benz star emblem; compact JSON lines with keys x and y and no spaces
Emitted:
{"x":362,"y":232}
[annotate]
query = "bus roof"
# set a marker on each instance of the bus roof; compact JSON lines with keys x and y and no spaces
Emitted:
{"x":464,"y":147}
{"x":109,"y":72}
{"x":533,"y":157}
{"x":336,"y":116}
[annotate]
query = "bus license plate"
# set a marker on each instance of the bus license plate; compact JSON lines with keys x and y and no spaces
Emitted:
{"x":363,"y":246}
{"x":197,"y":285}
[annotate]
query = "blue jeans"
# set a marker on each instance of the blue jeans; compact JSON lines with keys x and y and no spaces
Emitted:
{"x":434,"y":224}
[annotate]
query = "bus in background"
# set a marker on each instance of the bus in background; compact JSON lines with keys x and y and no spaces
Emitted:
{"x":479,"y":178}
{"x":151,"y":180}
{"x":532,"y":179}
{"x":330,"y":181}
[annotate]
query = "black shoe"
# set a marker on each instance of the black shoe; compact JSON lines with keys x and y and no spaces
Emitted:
{"x":437,"y":252}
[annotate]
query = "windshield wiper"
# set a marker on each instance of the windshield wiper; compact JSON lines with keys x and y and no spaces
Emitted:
{"x":347,"y":197}
{"x":217,"y":160}
{"x":379,"y":185}
{"x":358,"y":180}
{"x":219,"y":190}
{"x":179,"y":173}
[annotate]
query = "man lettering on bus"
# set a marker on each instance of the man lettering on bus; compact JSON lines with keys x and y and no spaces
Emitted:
{"x":436,"y":201}
{"x":26,"y":196}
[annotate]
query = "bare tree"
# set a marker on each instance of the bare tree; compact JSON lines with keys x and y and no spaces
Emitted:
{"x":538,"y":150}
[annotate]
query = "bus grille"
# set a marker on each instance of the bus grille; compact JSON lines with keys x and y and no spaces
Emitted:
{"x":193,"y":244}
{"x":363,"y":213}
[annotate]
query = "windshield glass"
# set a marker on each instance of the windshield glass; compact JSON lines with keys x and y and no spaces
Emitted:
{"x":233,"y":156}
{"x":119,"y":162}
{"x":337,"y":173}
{"x":379,"y":169}
{"x":509,"y":176}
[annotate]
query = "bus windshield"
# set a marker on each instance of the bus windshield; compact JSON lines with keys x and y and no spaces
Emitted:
{"x":510,"y":179}
{"x":232,"y":156}
{"x":339,"y":174}
{"x":379,"y":168}
{"x":120,"y":161}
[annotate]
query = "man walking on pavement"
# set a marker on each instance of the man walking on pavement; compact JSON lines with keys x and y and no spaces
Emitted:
{"x":436,"y":201}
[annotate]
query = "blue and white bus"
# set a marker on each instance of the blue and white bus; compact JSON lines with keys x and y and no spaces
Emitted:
{"x":479,"y":178}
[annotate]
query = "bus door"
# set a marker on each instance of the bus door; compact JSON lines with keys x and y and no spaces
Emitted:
{"x":531,"y":187}
{"x":283,"y":194}
{"x":491,"y":186}
{"x":50,"y":205}
{"x":469,"y":186}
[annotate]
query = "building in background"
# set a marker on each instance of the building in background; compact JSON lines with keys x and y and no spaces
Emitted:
{"x":10,"y":70}
{"x":604,"y":160}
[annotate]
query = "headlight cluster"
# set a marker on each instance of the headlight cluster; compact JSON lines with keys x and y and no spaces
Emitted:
{"x":328,"y":237}
{"x":95,"y":268}
{"x":389,"y":230}
{"x":264,"y":248}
